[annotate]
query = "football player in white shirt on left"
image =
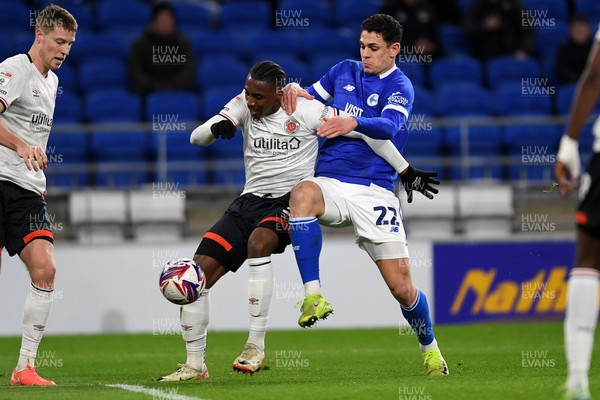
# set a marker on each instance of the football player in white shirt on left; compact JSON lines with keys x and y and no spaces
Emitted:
{"x":27,"y":95}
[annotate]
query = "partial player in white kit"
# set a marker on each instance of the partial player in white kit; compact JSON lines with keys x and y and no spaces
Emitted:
{"x":28,"y":90}
{"x":279,"y":151}
{"x":581,"y":315}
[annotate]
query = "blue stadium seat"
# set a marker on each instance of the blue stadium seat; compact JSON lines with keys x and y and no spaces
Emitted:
{"x":112,"y":105}
{"x":425,"y":146}
{"x":15,"y":17}
{"x":181,"y":106}
{"x":208,"y":43}
{"x":174,"y":115}
{"x":549,"y":40}
{"x":68,"y":157}
{"x":67,"y":77}
{"x":8,"y":47}
{"x":82,"y":13}
{"x":121,"y":158}
{"x":546,"y":12}
{"x":272,"y":41}
{"x":221,"y":71}
{"x":255,"y":14}
{"x":187,"y":177}
{"x":68,"y":153}
{"x":522,"y":99}
{"x":351,"y":13}
{"x":94,"y":46}
{"x":192,"y":15}
{"x":64,"y":3}
{"x":116,"y":13}
{"x":20,"y":43}
{"x":453,"y":70}
{"x":414,"y":71}
{"x":453,"y":40}
{"x":564,"y":98}
{"x":532,"y":149}
{"x":508,"y":69}
{"x":103,"y":73}
{"x":127,"y":35}
{"x":321,"y":41}
{"x":215,"y":98}
{"x":300,"y":14}
{"x":484,"y":151}
{"x":424,"y":103}
{"x":68,"y":108}
{"x":464,"y":100}
{"x":113,"y":150}
{"x":228,"y":158}
{"x":549,"y":71}
{"x":590,"y":8}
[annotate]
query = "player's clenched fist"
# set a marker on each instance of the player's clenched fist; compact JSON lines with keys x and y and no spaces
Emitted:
{"x":223,"y":129}
{"x":34,"y":157}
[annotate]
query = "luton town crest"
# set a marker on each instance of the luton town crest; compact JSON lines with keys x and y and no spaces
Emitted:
{"x":291,"y":125}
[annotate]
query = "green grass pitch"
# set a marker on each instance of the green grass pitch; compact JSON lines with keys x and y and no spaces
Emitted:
{"x":487,"y":361}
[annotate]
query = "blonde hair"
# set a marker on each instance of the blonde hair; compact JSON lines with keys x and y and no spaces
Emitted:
{"x":54,"y":16}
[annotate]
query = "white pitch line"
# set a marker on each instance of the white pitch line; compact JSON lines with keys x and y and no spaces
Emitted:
{"x":165,"y":394}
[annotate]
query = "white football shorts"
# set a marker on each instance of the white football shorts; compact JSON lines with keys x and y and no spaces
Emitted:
{"x":373,"y":211}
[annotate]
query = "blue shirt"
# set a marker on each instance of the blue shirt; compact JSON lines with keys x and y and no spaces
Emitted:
{"x":381,"y":105}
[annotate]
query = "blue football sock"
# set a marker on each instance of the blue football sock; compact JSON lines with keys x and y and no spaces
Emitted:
{"x":307,"y":240}
{"x":418,"y":317}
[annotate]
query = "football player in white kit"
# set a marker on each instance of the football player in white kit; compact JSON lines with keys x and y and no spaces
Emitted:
{"x":581,"y":313}
{"x":27,"y":95}
{"x":279,"y":151}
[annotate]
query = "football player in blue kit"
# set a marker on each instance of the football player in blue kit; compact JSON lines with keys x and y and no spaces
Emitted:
{"x":353,"y":186}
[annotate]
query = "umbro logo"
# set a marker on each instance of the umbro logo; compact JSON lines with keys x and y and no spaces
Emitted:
{"x":349,"y":87}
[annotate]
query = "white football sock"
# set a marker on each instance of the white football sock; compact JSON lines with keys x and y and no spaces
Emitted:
{"x":35,"y":314}
{"x":313,"y":287}
{"x":194,"y":321}
{"x":430,"y":346}
{"x":260,"y":291}
{"x":580,"y":322}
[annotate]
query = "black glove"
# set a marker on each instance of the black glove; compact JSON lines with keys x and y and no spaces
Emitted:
{"x":223,"y":129}
{"x":421,"y":181}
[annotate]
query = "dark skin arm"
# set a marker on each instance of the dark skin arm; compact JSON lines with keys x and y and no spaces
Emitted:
{"x":584,"y":100}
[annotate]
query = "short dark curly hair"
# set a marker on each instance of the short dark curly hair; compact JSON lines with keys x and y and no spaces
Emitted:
{"x":389,"y":29}
{"x":270,"y":72}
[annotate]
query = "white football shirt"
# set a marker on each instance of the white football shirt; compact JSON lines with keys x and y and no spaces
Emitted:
{"x":29,"y":100}
{"x":279,"y":149}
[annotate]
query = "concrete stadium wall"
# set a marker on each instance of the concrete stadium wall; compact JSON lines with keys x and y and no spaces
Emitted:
{"x":114,"y":288}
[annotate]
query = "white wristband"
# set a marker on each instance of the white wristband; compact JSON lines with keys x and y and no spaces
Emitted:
{"x":568,"y":154}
